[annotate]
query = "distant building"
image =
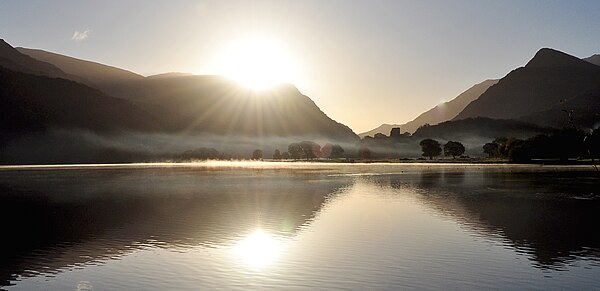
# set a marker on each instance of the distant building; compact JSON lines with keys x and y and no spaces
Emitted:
{"x":395,"y":132}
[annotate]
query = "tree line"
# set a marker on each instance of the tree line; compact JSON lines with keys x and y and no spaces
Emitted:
{"x":562,"y":144}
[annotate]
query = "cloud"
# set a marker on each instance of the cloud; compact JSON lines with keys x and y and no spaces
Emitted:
{"x":80,"y":35}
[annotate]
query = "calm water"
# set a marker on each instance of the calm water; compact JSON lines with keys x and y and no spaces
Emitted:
{"x":299,"y":226}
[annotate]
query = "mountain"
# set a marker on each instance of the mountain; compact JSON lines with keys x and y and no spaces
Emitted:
{"x":108,"y":79}
{"x":383,"y":129}
{"x":207,"y":104}
{"x":548,"y":79}
{"x":448,"y":110}
{"x":479,"y":128}
{"x":48,"y":115}
{"x":595,"y":59}
{"x":440,"y":113}
{"x":31,"y":103}
{"x":11,"y":59}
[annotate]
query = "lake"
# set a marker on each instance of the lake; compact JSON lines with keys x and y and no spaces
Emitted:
{"x":254,"y":225}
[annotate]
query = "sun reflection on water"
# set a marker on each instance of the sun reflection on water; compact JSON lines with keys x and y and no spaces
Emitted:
{"x":258,"y":249}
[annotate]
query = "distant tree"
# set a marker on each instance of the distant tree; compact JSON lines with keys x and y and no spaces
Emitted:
{"x":380,"y":136}
{"x":310,"y":150}
{"x":295,"y":151}
{"x":285,"y":156}
{"x":276,"y":155}
{"x":326,"y":150}
{"x":424,"y":126}
{"x":337,"y":151}
{"x":202,"y":153}
{"x":332,"y":151}
{"x":453,"y":148}
{"x":257,"y":154}
{"x":592,"y":142}
{"x":491,"y":149}
{"x":364,"y":152}
{"x":430,"y":148}
{"x":501,"y":142}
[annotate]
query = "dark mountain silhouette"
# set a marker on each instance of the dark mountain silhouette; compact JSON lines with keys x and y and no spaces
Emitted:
{"x":108,"y":79}
{"x":207,"y":104}
{"x":32,"y":103}
{"x":440,"y":113}
{"x":169,"y":75}
{"x":448,"y":110}
{"x":383,"y":129}
{"x":550,"y":78}
{"x":479,"y":128}
{"x":11,"y":59}
{"x":595,"y":59}
{"x":45,"y":119}
{"x":580,"y":111}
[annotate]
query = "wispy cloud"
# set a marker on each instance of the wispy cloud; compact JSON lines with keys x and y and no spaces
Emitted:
{"x":80,"y":35}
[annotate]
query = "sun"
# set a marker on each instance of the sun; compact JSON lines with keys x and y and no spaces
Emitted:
{"x":258,"y":63}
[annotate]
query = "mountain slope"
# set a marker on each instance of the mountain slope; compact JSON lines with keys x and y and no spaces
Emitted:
{"x":479,"y":128}
{"x":548,"y":78}
{"x":11,"y":59}
{"x":383,"y":129}
{"x":448,"y":110}
{"x":212,"y":104}
{"x":106,"y":78}
{"x":595,"y":59}
{"x":206,"y":104}
{"x":440,"y":113}
{"x":30,"y":103}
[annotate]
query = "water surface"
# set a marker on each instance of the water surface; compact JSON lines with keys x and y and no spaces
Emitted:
{"x":299,"y":226}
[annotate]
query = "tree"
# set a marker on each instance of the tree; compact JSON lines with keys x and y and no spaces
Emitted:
{"x":285,"y":156}
{"x":430,"y":147}
{"x":326,"y":150}
{"x":202,"y":153}
{"x":295,"y":151}
{"x":453,"y":148}
{"x":491,"y":149}
{"x":310,"y":150}
{"x":502,"y":142}
{"x":276,"y":155}
{"x":337,"y":151}
{"x":364,"y":152}
{"x":332,"y":151}
{"x":257,"y":154}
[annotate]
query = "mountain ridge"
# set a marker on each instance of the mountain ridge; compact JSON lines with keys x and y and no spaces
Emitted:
{"x":548,"y":79}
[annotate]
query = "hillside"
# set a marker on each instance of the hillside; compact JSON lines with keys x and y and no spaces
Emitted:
{"x":440,"y":113}
{"x":11,"y":59}
{"x":448,"y":110}
{"x":383,"y":129}
{"x":479,"y":128}
{"x":207,"y":104}
{"x":595,"y":59}
{"x":547,"y":79}
{"x":30,"y":103}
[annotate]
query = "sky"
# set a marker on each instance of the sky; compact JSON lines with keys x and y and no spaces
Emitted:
{"x":364,"y":63}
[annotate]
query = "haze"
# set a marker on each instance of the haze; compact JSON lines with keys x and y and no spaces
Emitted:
{"x":392,"y":59}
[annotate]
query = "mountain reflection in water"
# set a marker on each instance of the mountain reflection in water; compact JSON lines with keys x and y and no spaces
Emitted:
{"x":56,"y":220}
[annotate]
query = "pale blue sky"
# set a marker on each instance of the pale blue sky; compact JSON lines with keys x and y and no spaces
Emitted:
{"x":363,"y":62}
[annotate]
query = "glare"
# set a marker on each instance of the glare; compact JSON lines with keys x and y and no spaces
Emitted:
{"x":258,"y":249}
{"x":258,"y":63}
